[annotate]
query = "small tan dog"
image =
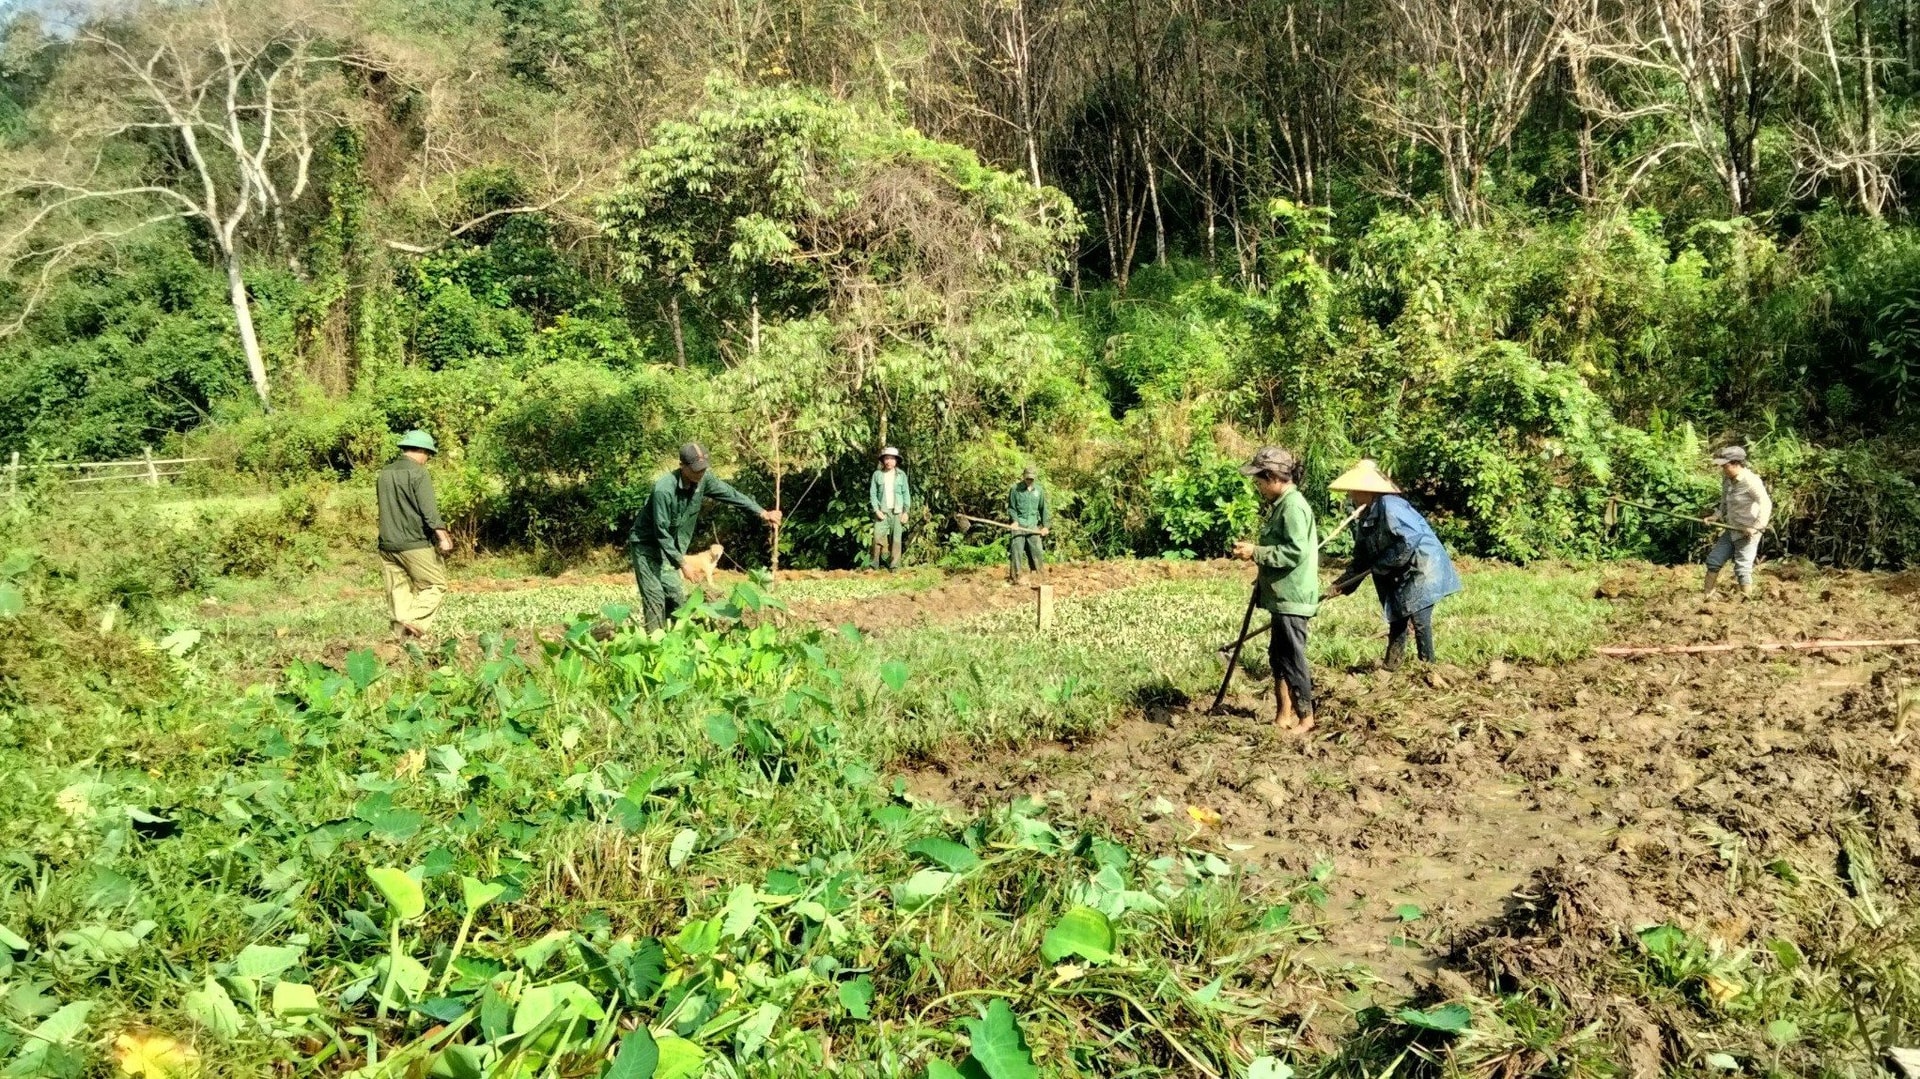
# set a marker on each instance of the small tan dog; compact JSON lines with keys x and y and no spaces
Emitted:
{"x":702,"y":563}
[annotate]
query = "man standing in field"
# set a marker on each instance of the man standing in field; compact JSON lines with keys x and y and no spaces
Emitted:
{"x":410,"y":532}
{"x":1288,"y":584}
{"x":664,"y":526}
{"x":1745,"y":509}
{"x":1032,"y":518}
{"x":891,"y":496}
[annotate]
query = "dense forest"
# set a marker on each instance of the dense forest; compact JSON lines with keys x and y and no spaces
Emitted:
{"x":1527,"y":254}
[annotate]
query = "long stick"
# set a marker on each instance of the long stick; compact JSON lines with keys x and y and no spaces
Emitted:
{"x":1234,"y":647}
{"x":1657,"y":509}
{"x":1234,"y":659}
{"x":1015,"y":529}
{"x":1758,"y":646}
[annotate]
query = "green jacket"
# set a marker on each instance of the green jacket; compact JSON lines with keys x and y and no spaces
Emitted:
{"x":665,"y":523}
{"x":903,"y":495}
{"x":1028,"y":507}
{"x":1289,"y":558}
{"x":408,"y":513}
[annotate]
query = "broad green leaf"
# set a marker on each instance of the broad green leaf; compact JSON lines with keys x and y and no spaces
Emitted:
{"x":100,"y":943}
{"x":362,"y":668}
{"x":682,"y":847}
{"x":699,"y":937}
{"x":638,"y":1057}
{"x":1268,"y":1068}
{"x":1278,"y":916}
{"x":742,"y":910}
{"x":463,"y":1062}
{"x":856,"y":997}
{"x":1783,"y":1032}
{"x":940,"y":1069}
{"x":1450,"y":1019}
{"x":12,"y":600}
{"x":291,"y":1000}
{"x":921,"y":888}
{"x":645,"y":971}
{"x":1082,"y":931}
{"x":1408,"y":912}
{"x":265,"y":960}
{"x":757,"y":1029}
{"x":178,"y":643}
{"x":1663,"y":940}
{"x":409,"y":979}
{"x":402,"y":893}
{"x":1725,"y":1062}
{"x":474,"y":894}
{"x":722,"y":731}
{"x":13,"y":941}
{"x":945,"y":853}
{"x":213,"y":1009}
{"x":679,"y":1058}
{"x":895,"y":674}
{"x":58,"y":1029}
{"x":998,"y":1045}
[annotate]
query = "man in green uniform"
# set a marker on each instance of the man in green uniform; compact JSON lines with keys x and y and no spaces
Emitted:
{"x":410,"y":530}
{"x":890,"y":496}
{"x":1288,"y":584}
{"x":665,"y":525}
{"x":1032,"y":518}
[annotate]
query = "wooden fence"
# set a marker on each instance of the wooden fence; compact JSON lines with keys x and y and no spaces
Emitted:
{"x":147,"y":470}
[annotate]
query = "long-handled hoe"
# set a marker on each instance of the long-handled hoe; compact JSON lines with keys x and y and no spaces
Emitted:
{"x":1231,"y":651}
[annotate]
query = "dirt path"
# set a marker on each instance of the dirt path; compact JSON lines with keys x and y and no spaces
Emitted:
{"x":1477,"y":796}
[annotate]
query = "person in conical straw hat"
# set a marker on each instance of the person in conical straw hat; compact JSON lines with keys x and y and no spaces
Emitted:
{"x":1395,"y":546}
{"x":1288,"y":584}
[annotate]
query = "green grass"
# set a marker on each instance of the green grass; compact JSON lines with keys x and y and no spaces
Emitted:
{"x":996,"y":679}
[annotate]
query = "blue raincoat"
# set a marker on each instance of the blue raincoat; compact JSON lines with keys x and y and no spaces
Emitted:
{"x":1410,"y":569}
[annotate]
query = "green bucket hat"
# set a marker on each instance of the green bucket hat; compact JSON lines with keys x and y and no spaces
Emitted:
{"x":418,"y":440}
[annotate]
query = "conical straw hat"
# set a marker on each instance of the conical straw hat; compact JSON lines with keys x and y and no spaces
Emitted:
{"x":1365,"y":476}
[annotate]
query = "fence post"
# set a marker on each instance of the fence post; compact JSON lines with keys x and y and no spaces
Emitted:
{"x":13,"y":475}
{"x":153,"y":474}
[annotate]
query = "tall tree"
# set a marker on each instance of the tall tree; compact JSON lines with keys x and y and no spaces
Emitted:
{"x":209,"y":113}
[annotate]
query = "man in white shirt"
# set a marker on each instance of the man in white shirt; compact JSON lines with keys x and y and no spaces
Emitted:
{"x":1745,"y":509}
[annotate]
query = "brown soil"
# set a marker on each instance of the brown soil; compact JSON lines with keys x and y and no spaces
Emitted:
{"x":1535,"y":815}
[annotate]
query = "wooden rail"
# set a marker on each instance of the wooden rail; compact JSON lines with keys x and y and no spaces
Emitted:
{"x":147,"y":469}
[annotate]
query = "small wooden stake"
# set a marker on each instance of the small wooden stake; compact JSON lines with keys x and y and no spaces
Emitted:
{"x":13,"y":475}
{"x":1043,"y":606}
{"x":153,"y":474}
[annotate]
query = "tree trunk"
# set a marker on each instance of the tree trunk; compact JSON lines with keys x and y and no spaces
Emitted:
{"x":243,"y":318}
{"x":679,"y":334}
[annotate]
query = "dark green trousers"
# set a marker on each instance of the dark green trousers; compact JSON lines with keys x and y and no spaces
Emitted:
{"x":662,"y":591}
{"x":1024,"y":553}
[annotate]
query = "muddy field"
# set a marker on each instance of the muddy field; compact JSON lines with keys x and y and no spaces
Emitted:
{"x":1516,"y":822}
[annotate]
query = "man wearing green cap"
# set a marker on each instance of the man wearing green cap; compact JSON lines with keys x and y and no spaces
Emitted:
{"x":1032,"y":518}
{"x":664,"y":527}
{"x":890,"y":496}
{"x":410,"y":530}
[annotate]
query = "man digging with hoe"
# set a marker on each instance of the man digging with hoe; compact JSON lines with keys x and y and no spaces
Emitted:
{"x":664,"y":527}
{"x":1288,"y":584}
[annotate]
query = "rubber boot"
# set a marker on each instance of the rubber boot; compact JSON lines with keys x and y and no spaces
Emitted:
{"x":1713,"y":576}
{"x":1746,"y":591}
